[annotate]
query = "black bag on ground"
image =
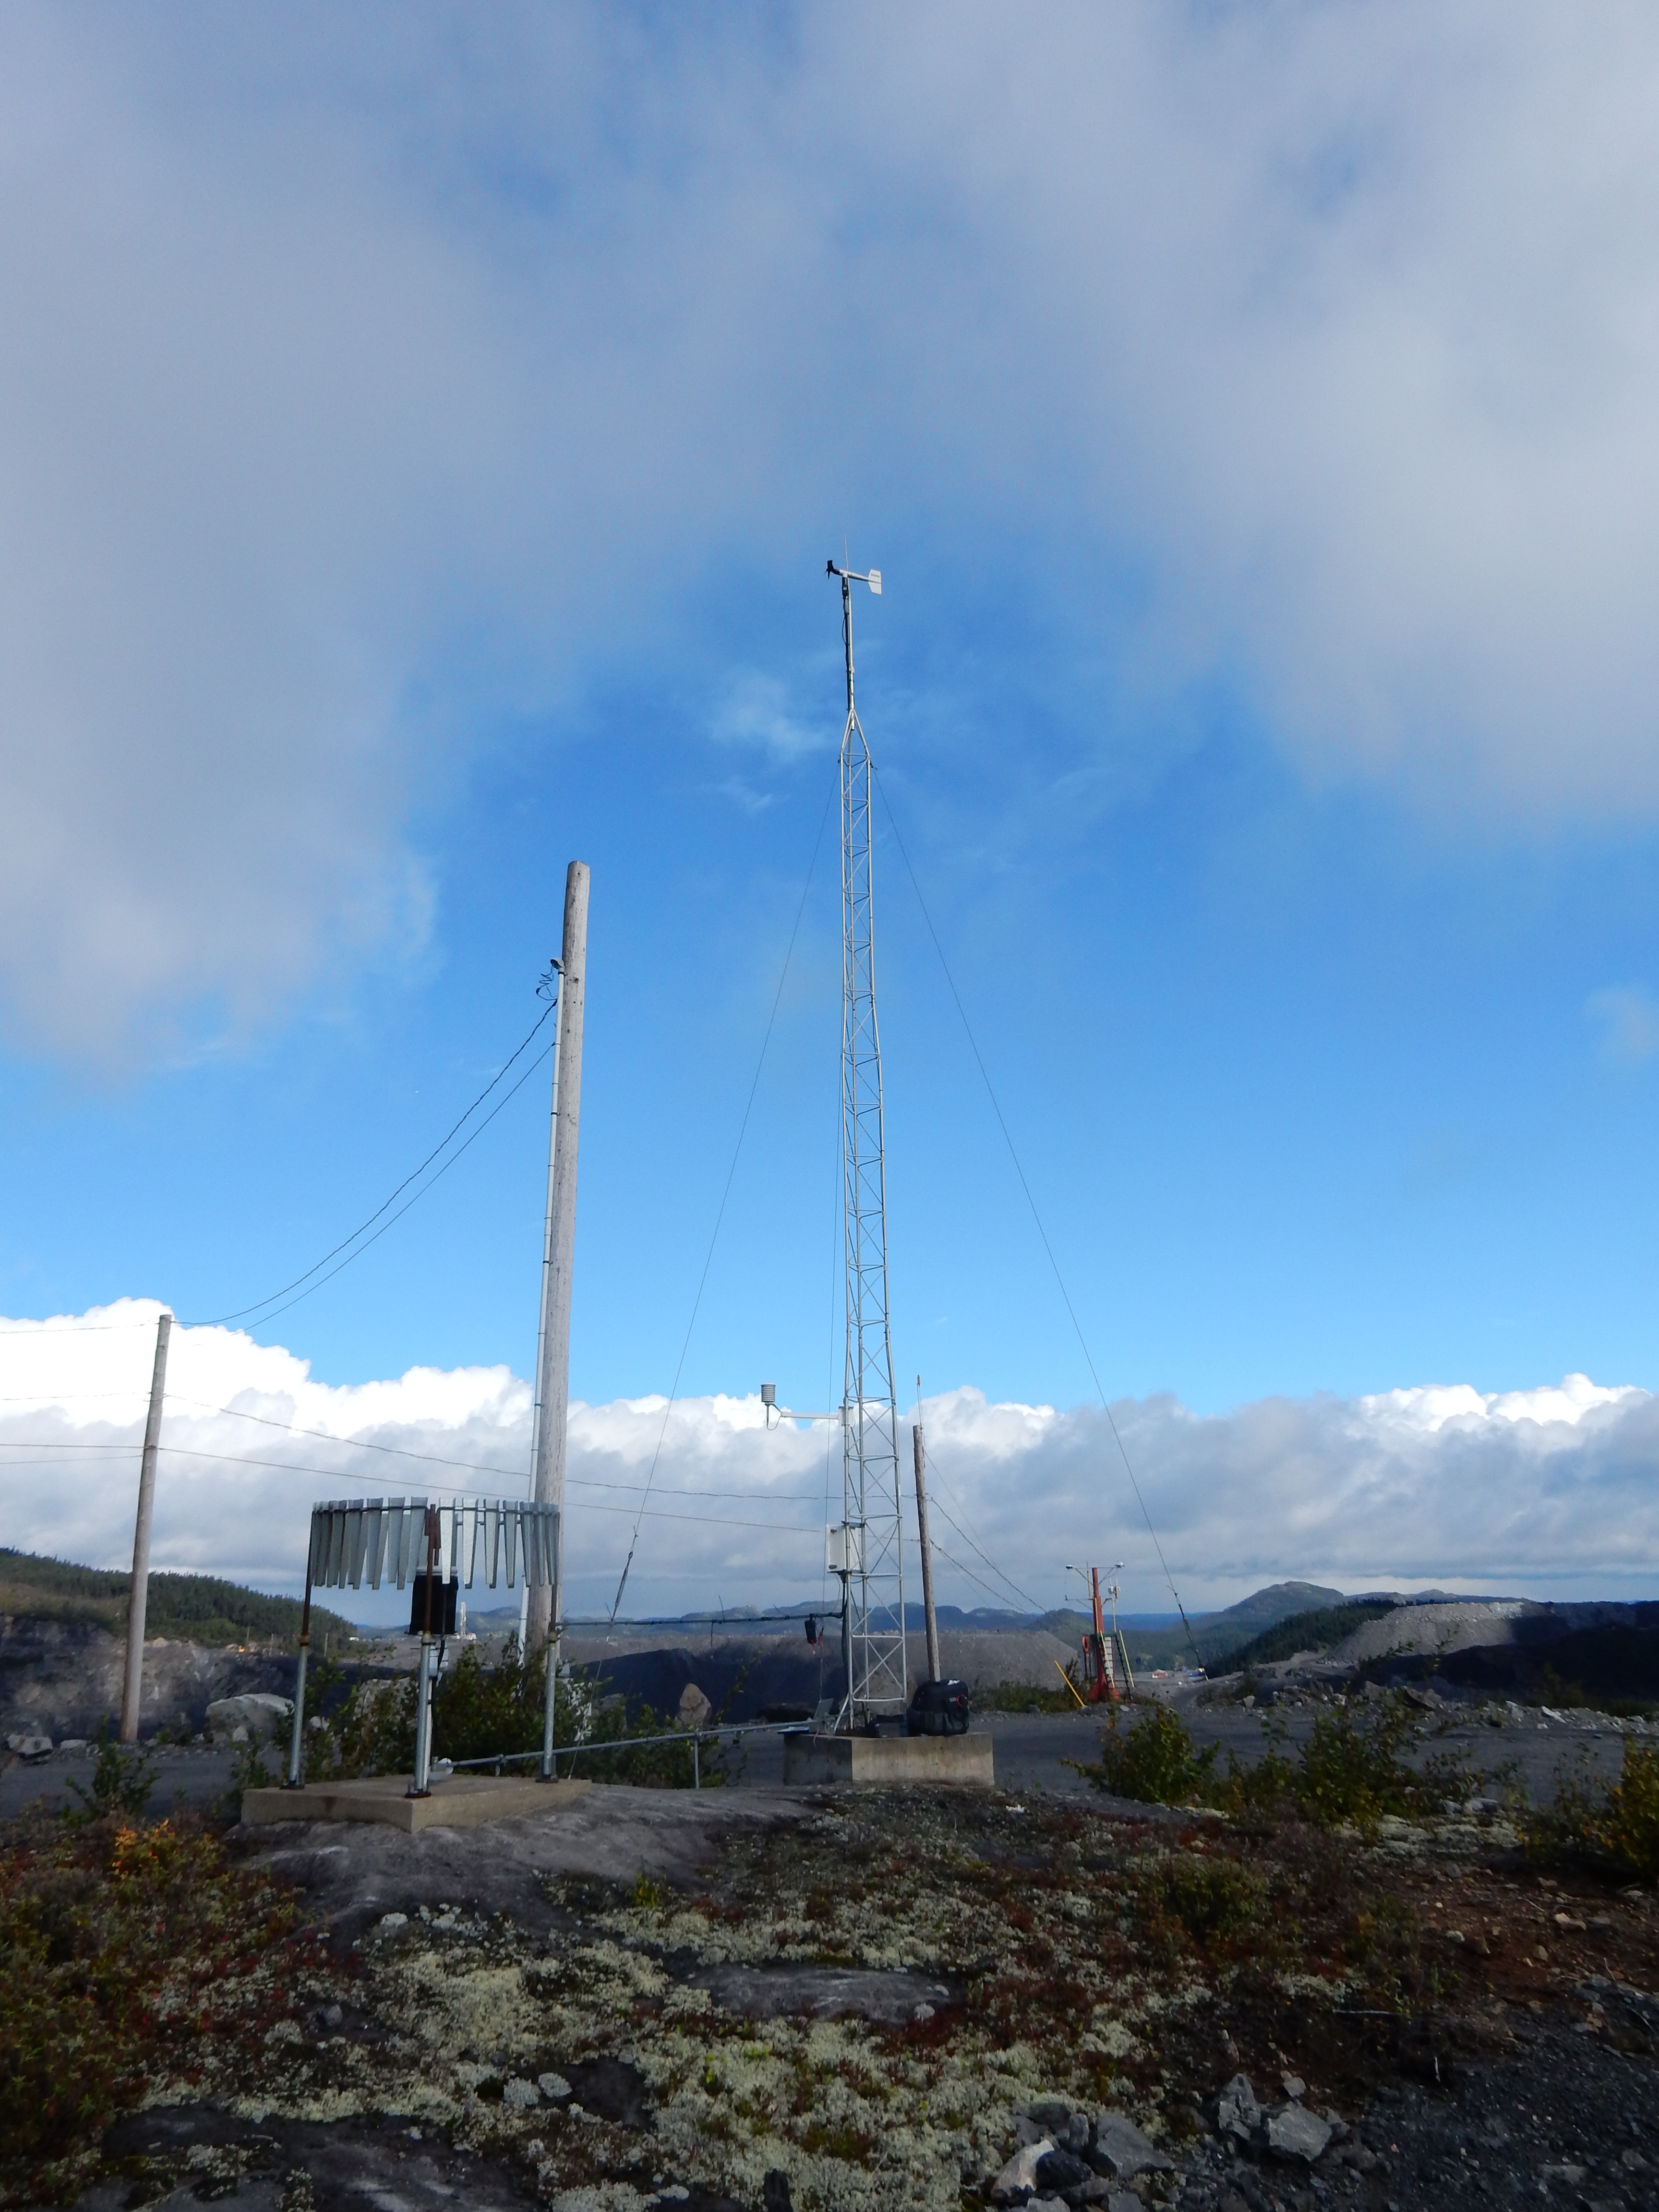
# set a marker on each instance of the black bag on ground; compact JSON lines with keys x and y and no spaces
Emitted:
{"x":939,"y":1709}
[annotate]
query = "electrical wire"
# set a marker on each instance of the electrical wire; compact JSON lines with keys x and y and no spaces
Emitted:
{"x":221,"y":1320}
{"x":438,"y":1459}
{"x":1001,"y":1573}
{"x":720,"y":1216}
{"x":1036,"y":1217}
{"x":80,"y":1329}
{"x":977,"y":1580}
{"x":450,"y":1490}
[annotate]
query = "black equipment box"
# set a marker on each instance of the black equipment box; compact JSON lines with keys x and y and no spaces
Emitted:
{"x":444,"y":1594}
{"x":938,"y":1709}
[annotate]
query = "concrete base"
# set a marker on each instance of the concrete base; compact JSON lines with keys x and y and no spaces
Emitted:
{"x":464,"y":1801}
{"x":889,"y":1760}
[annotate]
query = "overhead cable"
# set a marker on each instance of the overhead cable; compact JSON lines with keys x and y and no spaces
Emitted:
{"x":1013,"y":1154}
{"x":220,"y":1321}
{"x":720,"y":1215}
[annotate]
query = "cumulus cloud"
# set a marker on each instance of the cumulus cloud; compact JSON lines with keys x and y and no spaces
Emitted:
{"x":1547,"y":1491}
{"x":361,"y":374}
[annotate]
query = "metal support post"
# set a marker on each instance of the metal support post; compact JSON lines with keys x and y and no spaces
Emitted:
{"x":559,"y":1248}
{"x":138,"y":1597}
{"x":296,"y":1741}
{"x":549,"y":1712}
{"x":696,"y":1767}
{"x":422,"y":1786}
{"x":928,"y":1615}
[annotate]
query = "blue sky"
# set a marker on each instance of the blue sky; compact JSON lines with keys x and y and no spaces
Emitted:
{"x":425,"y":437}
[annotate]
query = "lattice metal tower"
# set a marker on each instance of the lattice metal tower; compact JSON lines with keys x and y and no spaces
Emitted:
{"x":874,"y":1568}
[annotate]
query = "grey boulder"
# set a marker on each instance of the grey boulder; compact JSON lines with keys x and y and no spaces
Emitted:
{"x":1237,"y":2114}
{"x":1293,"y":2132}
{"x":1018,"y":2180}
{"x":1121,"y":2150}
{"x":264,"y":1714}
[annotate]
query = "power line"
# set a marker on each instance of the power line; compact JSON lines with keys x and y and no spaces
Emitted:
{"x":79,"y":1329}
{"x":397,"y":1451}
{"x":1036,"y":1217}
{"x":979,"y":1582}
{"x":450,"y":1490}
{"x":220,"y":1320}
{"x":1001,"y":1573}
{"x":720,"y":1216}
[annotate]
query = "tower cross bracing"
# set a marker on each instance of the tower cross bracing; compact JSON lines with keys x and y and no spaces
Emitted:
{"x":877,"y":1676}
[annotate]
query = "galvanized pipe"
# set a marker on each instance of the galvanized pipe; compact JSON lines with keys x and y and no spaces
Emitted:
{"x":132,"y":1686}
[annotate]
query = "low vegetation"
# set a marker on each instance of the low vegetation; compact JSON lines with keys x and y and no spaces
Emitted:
{"x":193,"y":1608}
{"x":1052,"y":1697}
{"x":1613,"y":1828}
{"x":484,"y":1710}
{"x":1350,"y":1773}
{"x":131,"y":1953}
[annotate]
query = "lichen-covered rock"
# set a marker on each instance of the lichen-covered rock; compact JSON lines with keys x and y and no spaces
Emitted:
{"x":1293,"y":2132}
{"x":1121,"y":2149}
{"x":1018,"y":2181}
{"x":1057,"y":2170}
{"x":1238,"y":2112}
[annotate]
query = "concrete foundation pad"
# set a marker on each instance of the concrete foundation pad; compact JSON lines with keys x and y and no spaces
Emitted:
{"x":891,"y":1760}
{"x":464,"y":1801}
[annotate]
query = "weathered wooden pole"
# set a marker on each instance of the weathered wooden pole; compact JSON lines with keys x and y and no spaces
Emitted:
{"x":138,"y":1596}
{"x":553,"y":1382}
{"x":934,"y":1674}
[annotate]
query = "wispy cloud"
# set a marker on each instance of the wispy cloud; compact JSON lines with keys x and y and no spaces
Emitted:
{"x":1628,"y":1021}
{"x":757,"y":710}
{"x":1545,"y":1490}
{"x":354,"y":363}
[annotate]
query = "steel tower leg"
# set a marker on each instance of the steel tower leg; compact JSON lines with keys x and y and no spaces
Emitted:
{"x":877,"y":1678}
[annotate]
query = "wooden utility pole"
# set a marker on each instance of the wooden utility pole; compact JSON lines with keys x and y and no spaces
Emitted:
{"x":138,"y":1597}
{"x":553,"y":1382}
{"x":933,"y":1674}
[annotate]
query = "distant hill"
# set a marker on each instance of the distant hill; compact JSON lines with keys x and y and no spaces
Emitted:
{"x":1320,"y":1629}
{"x":1217,"y":1634}
{"x":188,"y":1608}
{"x":1158,"y":1640}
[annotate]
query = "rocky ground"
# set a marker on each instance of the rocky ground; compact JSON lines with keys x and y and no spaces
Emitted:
{"x":866,"y":1999}
{"x":63,"y":1678}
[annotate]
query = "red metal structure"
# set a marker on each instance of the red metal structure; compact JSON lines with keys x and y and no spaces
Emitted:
{"x":1101,"y":1657}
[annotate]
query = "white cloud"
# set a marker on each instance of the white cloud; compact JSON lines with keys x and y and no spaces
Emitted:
{"x":755,"y":710}
{"x":1548,"y":1490}
{"x":359,"y":375}
{"x":1629,"y":1021}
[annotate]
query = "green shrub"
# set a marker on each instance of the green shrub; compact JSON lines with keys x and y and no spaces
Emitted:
{"x":1027,"y":1697}
{"x":1617,"y":1827}
{"x":122,"y":1781}
{"x":1221,"y":1904}
{"x":123,"y":1948}
{"x":1155,"y":1762}
{"x":1349,"y":1773}
{"x":1352,"y":1773}
{"x":484,"y":1711}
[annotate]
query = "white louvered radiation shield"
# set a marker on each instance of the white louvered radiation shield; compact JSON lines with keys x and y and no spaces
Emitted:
{"x":485,"y":1540}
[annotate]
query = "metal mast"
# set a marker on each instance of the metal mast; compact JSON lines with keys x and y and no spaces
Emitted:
{"x":877,"y":1678}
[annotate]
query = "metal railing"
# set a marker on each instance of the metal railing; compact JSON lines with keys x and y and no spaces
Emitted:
{"x":693,"y":1737}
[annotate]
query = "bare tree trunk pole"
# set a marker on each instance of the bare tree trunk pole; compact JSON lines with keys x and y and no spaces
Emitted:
{"x":138,"y":1596}
{"x":934,"y":1674}
{"x":553,"y":1384}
